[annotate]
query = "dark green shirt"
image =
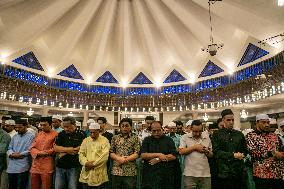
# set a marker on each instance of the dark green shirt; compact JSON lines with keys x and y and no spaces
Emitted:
{"x":225,"y":143}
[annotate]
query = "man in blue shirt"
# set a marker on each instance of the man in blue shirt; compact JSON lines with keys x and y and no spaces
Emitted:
{"x":19,"y":156}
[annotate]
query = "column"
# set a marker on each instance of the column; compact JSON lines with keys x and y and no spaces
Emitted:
{"x":170,"y":116}
{"x":86,"y":117}
{"x":44,"y":111}
{"x":194,"y":115}
{"x":237,"y":117}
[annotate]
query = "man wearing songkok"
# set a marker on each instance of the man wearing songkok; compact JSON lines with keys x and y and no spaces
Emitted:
{"x":42,"y":152}
{"x":180,"y":128}
{"x":93,"y":156}
{"x":159,"y":154}
{"x":229,"y":148}
{"x":197,"y":147}
{"x":146,"y":131}
{"x":212,"y":160}
{"x":103,"y":124}
{"x":56,"y":123}
{"x":125,"y":148}
{"x":67,"y":144}
{"x":9,"y":127}
{"x":19,"y":156}
{"x":4,"y":143}
{"x":266,"y":151}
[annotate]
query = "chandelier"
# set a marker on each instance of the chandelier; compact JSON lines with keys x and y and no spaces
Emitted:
{"x":280,"y":2}
{"x":205,"y":117}
{"x":70,"y":114}
{"x":244,"y":114}
{"x":30,"y":112}
{"x":212,"y":48}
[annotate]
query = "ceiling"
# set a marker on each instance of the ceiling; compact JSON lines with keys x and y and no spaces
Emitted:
{"x":126,"y":37}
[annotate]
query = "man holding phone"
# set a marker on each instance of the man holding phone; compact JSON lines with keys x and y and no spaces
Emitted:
{"x":196,"y":147}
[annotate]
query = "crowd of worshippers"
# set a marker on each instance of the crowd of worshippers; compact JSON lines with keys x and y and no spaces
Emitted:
{"x":155,"y":157}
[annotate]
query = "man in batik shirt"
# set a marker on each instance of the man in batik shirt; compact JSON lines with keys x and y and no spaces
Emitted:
{"x":124,"y":150}
{"x":267,"y":155}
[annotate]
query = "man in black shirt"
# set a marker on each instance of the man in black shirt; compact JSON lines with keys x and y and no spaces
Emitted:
{"x":67,"y":144}
{"x":159,"y":153}
{"x":229,"y":148}
{"x":103,"y":123}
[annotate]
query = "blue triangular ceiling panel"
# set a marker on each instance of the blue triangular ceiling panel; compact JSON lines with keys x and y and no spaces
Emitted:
{"x":251,"y":54}
{"x":107,"y":77}
{"x":174,"y":76}
{"x":71,"y":72}
{"x":210,"y":69}
{"x":141,"y":79}
{"x":29,"y":60}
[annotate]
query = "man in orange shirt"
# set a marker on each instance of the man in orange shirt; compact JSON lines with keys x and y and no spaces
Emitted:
{"x":42,"y":152}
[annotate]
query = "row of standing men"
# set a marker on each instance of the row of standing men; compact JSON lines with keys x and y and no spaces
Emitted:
{"x":205,"y":161}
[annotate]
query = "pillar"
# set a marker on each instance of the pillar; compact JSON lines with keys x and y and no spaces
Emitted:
{"x":44,"y":111}
{"x":237,"y":117}
{"x":86,"y":117}
{"x":194,"y":115}
{"x":170,"y":116}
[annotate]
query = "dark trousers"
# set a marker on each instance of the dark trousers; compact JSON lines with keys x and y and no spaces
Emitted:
{"x":231,"y":183}
{"x":86,"y":186}
{"x":268,"y":183}
{"x":18,"y":180}
{"x":123,"y":182}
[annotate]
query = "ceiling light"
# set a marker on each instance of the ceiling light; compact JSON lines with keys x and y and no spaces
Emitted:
{"x":244,"y":114}
{"x":205,"y":117}
{"x":30,"y":112}
{"x":212,"y":48}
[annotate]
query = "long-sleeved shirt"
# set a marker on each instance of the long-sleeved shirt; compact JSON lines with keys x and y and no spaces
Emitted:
{"x":96,"y":150}
{"x":125,"y":146}
{"x":225,"y":143}
{"x":4,"y":143}
{"x":44,"y":142}
{"x":261,"y":147}
{"x":21,"y":144}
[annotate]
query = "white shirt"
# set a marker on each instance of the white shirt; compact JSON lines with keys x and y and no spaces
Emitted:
{"x":12,"y":133}
{"x":196,"y":164}
{"x":145,"y":133}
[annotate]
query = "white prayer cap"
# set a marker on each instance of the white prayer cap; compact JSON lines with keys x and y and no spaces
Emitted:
{"x":172,"y":125}
{"x":90,"y":121}
{"x":189,"y":122}
{"x":261,"y":117}
{"x":10,"y":122}
{"x":78,"y":123}
{"x":59,"y":117}
{"x":281,"y":123}
{"x":94,"y":126}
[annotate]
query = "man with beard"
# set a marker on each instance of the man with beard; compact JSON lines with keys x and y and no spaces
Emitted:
{"x":266,"y":150}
